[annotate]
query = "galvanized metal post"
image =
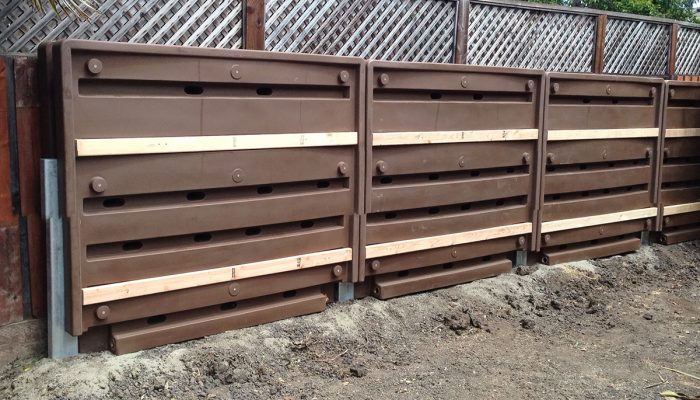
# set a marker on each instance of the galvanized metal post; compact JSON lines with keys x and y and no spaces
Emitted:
{"x":520,"y":258}
{"x":61,"y":344}
{"x":645,"y":238}
{"x":345,"y":291}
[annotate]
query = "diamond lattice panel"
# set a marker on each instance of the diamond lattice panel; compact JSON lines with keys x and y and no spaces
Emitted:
{"x":688,"y":52}
{"x":203,"y":23}
{"x":526,"y":38}
{"x":398,"y":30}
{"x":636,"y":47}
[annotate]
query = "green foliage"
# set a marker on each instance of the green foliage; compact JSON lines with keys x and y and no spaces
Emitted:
{"x":681,"y":10}
{"x":81,"y":8}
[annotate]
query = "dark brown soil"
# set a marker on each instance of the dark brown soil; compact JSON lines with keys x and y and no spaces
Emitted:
{"x":588,"y":330}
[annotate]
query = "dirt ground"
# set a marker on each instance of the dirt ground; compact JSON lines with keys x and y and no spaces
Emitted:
{"x":587,"y":330}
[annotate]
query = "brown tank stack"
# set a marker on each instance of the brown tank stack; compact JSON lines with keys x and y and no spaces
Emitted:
{"x":452,"y":154}
{"x":204,"y":189}
{"x":679,"y":197}
{"x":599,"y":181}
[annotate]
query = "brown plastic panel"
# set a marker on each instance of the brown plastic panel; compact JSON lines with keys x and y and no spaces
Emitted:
{"x":451,"y":150}
{"x":601,"y":147}
{"x":680,"y":171}
{"x":167,"y":168}
{"x":600,"y":249}
{"x":158,"y":330}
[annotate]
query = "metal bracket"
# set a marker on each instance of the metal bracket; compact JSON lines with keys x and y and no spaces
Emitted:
{"x":345,"y":292}
{"x":520,"y":258}
{"x":646,"y":238}
{"x":61,"y":343}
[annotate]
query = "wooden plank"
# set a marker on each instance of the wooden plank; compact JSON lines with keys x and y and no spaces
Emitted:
{"x":682,"y":132}
{"x":190,"y":144}
{"x":673,"y":48}
{"x":587,"y":134}
{"x":581,"y":222}
{"x":143,"y":287}
{"x":411,"y":245}
{"x":681,"y":209}
{"x":429,"y":137}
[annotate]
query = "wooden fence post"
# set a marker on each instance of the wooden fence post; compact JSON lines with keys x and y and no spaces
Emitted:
{"x":254,"y":31}
{"x":672,"y":51}
{"x":462,"y":32}
{"x":599,"y":56}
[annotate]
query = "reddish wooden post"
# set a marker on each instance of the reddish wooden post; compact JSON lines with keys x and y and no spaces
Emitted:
{"x":599,"y":56}
{"x":672,"y":51}
{"x":254,"y":25}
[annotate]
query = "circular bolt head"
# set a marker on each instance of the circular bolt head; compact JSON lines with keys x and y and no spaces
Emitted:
{"x":671,"y":92}
{"x":102,"y":312}
{"x":461,"y":162}
{"x":98,"y":184}
{"x":94,"y":66}
{"x":521,"y":241}
{"x":547,"y":238}
{"x":383,"y":79}
{"x":237,"y":175}
{"x":667,"y":220}
{"x":337,"y":270}
{"x":342,"y":168}
{"x":555,"y":87}
{"x":551,"y":158}
{"x":652,"y":92}
{"x":375,"y":264}
{"x":344,"y":76}
{"x":526,"y":158}
{"x":604,"y":154}
{"x":608,"y":89}
{"x":236,"y":72}
{"x":601,"y":230}
{"x":530,"y":85}
{"x":647,"y":223}
{"x":234,"y":289}
{"x":382,"y":166}
{"x":464,"y":82}
{"x":453,"y":253}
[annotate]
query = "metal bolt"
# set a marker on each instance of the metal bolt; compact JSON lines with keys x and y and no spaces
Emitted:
{"x":667,"y":220}
{"x":648,"y":153}
{"x":98,"y":184}
{"x":530,"y":85}
{"x":94,"y":66}
{"x":383,"y":79}
{"x":461,"y":162}
{"x":555,"y":87}
{"x":344,"y":76}
{"x":671,"y":92}
{"x":521,"y":241}
{"x":667,"y":152}
{"x":342,"y":168}
{"x":237,"y":175}
{"x":453,"y":253}
{"x":374,"y":265}
{"x":608,"y":89}
{"x":601,"y":230}
{"x":652,"y":92}
{"x":236,"y":72}
{"x":382,"y":166}
{"x":547,"y":238}
{"x":551,"y":158}
{"x":337,"y":270}
{"x":647,"y":223}
{"x":234,"y":289}
{"x":102,"y":312}
{"x":464,"y":82}
{"x":526,"y":158}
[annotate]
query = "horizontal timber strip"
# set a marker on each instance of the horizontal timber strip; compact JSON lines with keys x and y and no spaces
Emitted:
{"x":411,"y":245}
{"x":681,"y":208}
{"x":582,"y":222}
{"x":586,"y":134}
{"x":191,"y":144}
{"x":143,"y":287}
{"x":494,"y":135}
{"x":682,"y":132}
